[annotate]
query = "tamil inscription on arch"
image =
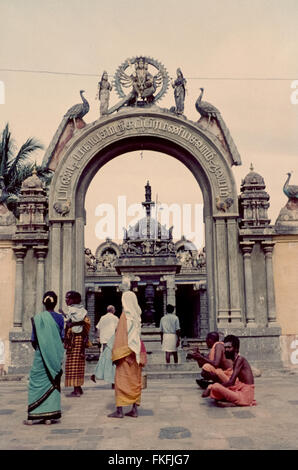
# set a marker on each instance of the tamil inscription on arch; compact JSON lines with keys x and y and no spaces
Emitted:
{"x":137,"y":123}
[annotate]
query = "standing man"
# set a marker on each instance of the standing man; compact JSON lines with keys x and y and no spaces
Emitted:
{"x":106,"y":326}
{"x":170,"y":334}
{"x":234,"y":392}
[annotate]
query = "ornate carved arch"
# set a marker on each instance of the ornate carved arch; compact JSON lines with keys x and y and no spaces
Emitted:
{"x":153,"y":129}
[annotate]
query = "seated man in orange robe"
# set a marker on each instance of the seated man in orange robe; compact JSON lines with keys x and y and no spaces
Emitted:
{"x":215,"y":367}
{"x":239,"y":389}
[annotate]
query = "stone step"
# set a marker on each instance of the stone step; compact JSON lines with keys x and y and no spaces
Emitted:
{"x":163,"y":367}
{"x":183,"y":374}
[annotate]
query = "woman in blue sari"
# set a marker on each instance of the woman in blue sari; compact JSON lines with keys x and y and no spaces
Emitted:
{"x":44,"y":400}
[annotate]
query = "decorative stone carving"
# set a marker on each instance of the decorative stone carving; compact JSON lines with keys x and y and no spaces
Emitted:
{"x":62,"y":208}
{"x":224,"y":205}
{"x":290,"y":190}
{"x":90,"y":260}
{"x":287,"y":221}
{"x":142,"y":82}
{"x":104,"y":89}
{"x":32,"y":205}
{"x":188,"y":256}
{"x":210,"y":118}
{"x":179,"y":92}
{"x":254,"y":201}
{"x":108,"y":259}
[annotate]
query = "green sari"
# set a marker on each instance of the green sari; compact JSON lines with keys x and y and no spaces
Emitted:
{"x":44,"y":400}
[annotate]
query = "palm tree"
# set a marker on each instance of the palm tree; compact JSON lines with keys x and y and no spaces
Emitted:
{"x":15,"y":169}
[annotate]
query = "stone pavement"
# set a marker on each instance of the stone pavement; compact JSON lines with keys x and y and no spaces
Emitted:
{"x":173,"y":416}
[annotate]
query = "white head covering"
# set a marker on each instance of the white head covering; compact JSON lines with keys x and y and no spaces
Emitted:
{"x":133,"y":312}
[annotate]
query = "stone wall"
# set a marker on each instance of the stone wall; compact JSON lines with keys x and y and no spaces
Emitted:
{"x":285,"y":265}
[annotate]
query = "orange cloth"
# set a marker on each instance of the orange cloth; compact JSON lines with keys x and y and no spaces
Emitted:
{"x":128,"y":376}
{"x":223,"y":375}
{"x":240,"y":394}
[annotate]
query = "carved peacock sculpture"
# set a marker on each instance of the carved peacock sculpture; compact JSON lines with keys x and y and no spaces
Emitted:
{"x":209,"y":111}
{"x":78,"y":110}
{"x":206,"y":109}
{"x":290,"y":190}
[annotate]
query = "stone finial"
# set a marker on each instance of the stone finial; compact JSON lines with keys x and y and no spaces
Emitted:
{"x":33,"y":181}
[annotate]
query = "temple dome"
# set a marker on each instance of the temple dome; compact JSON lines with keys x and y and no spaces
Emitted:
{"x":139,"y":230}
{"x":252,"y":181}
{"x":32,"y":182}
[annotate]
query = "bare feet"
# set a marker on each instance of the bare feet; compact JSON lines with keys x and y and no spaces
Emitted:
{"x":225,"y":404}
{"x":28,"y":422}
{"x":74,"y":394}
{"x":116,"y":414}
{"x":132,"y":413}
{"x":206,"y":393}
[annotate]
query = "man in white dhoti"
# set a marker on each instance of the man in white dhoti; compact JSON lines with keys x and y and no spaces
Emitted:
{"x":170,"y":334}
{"x":106,"y":326}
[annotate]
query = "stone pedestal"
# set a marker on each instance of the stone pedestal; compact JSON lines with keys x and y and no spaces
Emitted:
{"x":21,"y":352}
{"x":261,"y":346}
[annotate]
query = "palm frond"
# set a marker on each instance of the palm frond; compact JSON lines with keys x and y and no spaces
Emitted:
{"x":15,"y":169}
{"x":31,"y":145}
{"x":5,"y":150}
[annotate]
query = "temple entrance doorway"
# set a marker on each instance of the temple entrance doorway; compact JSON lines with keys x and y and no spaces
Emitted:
{"x":151,"y":259}
{"x":188,"y":310}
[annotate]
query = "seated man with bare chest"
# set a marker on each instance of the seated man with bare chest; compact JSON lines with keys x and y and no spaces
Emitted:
{"x":215,"y":367}
{"x":239,"y":389}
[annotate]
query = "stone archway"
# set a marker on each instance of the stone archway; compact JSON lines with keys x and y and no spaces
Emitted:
{"x":149,"y":129}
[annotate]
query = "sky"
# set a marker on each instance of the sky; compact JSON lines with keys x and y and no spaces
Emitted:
{"x":244,"y":53}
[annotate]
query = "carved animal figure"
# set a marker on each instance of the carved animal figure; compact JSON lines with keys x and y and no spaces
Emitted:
{"x":209,"y":111}
{"x":206,"y":109}
{"x":291,"y":191}
{"x":78,"y":110}
{"x":62,"y":207}
{"x":224,"y":205}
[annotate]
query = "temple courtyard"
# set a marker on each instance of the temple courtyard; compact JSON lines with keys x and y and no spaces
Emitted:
{"x":172,"y":416}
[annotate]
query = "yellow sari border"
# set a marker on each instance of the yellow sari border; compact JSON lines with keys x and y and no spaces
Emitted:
{"x":120,"y":352}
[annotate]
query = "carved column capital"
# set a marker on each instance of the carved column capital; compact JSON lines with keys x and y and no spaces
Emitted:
{"x":268,"y":248}
{"x":247,"y":247}
{"x":40,"y":252}
{"x":20,"y":252}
